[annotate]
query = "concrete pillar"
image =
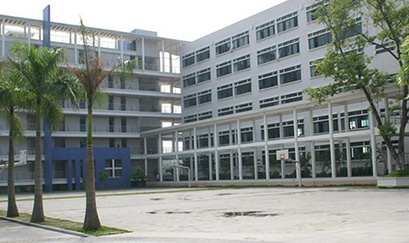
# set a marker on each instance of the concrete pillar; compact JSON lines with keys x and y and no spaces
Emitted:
{"x":99,"y":44}
{"x":331,"y":142}
{"x":231,"y":166}
{"x":145,"y":152}
{"x":313,"y":160}
{"x":349,"y":159}
{"x":176,"y":142}
{"x":280,"y":117}
{"x":311,"y":119}
{"x":216,"y":151}
{"x":69,"y":174}
{"x":160,"y":158}
{"x":255,"y":165}
{"x":143,"y":53}
{"x":346,"y":118}
{"x":210,"y":167}
{"x":296,"y":145}
{"x":239,"y":150}
{"x":282,"y":165}
{"x":387,"y":118}
{"x":77,"y":175}
{"x":373,"y":144}
{"x":163,"y":56}
{"x":29,"y":33}
{"x":122,"y":48}
{"x":3,"y":38}
{"x":267,"y":152}
{"x":195,"y":154}
{"x":76,"y":60}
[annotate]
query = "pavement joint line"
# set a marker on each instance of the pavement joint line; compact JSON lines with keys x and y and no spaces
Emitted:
{"x":46,"y":227}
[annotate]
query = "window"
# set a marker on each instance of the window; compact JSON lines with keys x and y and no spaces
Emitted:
{"x":246,"y":135}
{"x":176,"y":90}
{"x":203,"y":54}
{"x":289,"y":48}
{"x":241,"y":40}
{"x":204,"y":97}
{"x":242,"y":87}
{"x":189,"y":80}
{"x":166,"y":108}
{"x":166,"y":124}
{"x":203,"y":75}
{"x":288,"y":128}
{"x":265,"y":30}
{"x":313,"y":68}
{"x":287,"y":22}
{"x":268,"y":80}
{"x":353,"y":30}
{"x":384,"y":48}
{"x":226,"y":111}
{"x":165,"y":88}
{"x":244,"y":107}
{"x":110,"y":103}
{"x":319,"y":38}
{"x":205,"y":115}
{"x":289,"y":98}
{"x":321,"y":124}
{"x":225,"y":91}
{"x":110,"y":82}
{"x":82,"y":124}
{"x":188,"y":60}
{"x":123,"y":103}
{"x":111,"y":124}
{"x":273,"y":131}
{"x":359,"y":150}
{"x":241,"y":63}
{"x":312,"y":11}
{"x":177,"y":109}
{"x":191,"y":118}
{"x":223,"y":69}
{"x":269,"y":102}
{"x":224,"y":138}
{"x":290,"y":74}
{"x":123,"y":124}
{"x":114,"y":168}
{"x":189,"y":100}
{"x":358,"y":119}
{"x":223,"y":46}
{"x":266,"y":55}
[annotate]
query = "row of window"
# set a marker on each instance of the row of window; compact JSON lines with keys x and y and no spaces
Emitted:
{"x":198,"y":98}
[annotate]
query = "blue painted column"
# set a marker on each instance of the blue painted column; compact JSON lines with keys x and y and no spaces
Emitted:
{"x":48,"y":166}
{"x":77,"y":175}
{"x":69,"y":174}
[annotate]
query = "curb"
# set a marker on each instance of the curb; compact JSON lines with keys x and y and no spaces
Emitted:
{"x":46,"y":227}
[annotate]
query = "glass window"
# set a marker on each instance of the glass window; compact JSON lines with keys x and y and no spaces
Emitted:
{"x":205,"y":115}
{"x":226,"y":111}
{"x":242,"y":87}
{"x":223,"y":69}
{"x":191,"y":118}
{"x":241,"y":40}
{"x":223,"y":46}
{"x":204,"y":97}
{"x":273,"y":101}
{"x":353,"y":30}
{"x":224,"y":138}
{"x":114,"y":168}
{"x":268,"y":80}
{"x":265,"y":30}
{"x":266,"y":55}
{"x":319,"y":38}
{"x":246,"y":135}
{"x":203,"y":75}
{"x":244,"y":107}
{"x":166,"y":108}
{"x":287,"y":22}
{"x":166,"y":124}
{"x":189,"y":80}
{"x":189,"y":100}
{"x":290,"y":74}
{"x":241,"y":63}
{"x":289,"y":48}
{"x":203,"y":54}
{"x":321,"y":124}
{"x":313,"y":68}
{"x":312,"y":11}
{"x":273,"y":131}
{"x":225,"y":91}
{"x":288,"y":128}
{"x":188,"y":60}
{"x":177,"y":109}
{"x":289,"y":98}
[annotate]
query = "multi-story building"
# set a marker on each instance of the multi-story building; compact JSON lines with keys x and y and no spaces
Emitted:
{"x":150,"y":99}
{"x":242,"y":96}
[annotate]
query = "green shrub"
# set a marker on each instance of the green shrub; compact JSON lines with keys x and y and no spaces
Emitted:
{"x":399,"y":173}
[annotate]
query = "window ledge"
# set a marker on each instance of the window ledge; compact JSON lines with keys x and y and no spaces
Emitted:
{"x":285,"y":31}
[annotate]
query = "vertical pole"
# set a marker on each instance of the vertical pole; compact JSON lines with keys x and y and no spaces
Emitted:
{"x":29,"y":33}
{"x":280,"y":117}
{"x":3,"y":37}
{"x":75,"y":48}
{"x":195,"y":154}
{"x":239,"y":150}
{"x":163,"y":56}
{"x":267,"y":152}
{"x":99,"y":44}
{"x":122,"y":48}
{"x":296,"y":145}
{"x":255,"y":164}
{"x":387,"y":118}
{"x":216,"y":151}
{"x":373,"y":144}
{"x":143,"y":53}
{"x":311,"y":119}
{"x":69,"y":174}
{"x":346,"y":118}
{"x":176,"y":141}
{"x":231,"y":166}
{"x":331,"y":141}
{"x":160,"y":158}
{"x":282,"y":165}
{"x":349,"y":160}
{"x":77,"y":175}
{"x":210,"y":167}
{"x":145,"y":152}
{"x":313,"y":160}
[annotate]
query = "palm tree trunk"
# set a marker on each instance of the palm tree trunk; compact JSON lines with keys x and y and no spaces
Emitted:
{"x":91,"y":220}
{"x":38,"y":209}
{"x":12,"y":210}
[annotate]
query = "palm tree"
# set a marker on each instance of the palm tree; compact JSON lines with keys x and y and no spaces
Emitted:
{"x":46,"y":86}
{"x":11,"y":99}
{"x":90,"y":77}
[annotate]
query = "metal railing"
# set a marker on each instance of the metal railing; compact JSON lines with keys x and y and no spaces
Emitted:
{"x":98,"y":129}
{"x":19,"y":176}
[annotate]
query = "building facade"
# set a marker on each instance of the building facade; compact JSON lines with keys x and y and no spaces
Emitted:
{"x":242,"y":96}
{"x":150,"y":99}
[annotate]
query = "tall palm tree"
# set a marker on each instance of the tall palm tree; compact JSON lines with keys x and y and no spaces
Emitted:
{"x":11,"y":99}
{"x":90,"y":77}
{"x":46,"y":85}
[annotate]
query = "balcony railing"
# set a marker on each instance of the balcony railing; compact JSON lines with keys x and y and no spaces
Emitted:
{"x":98,"y":129}
{"x":19,"y":176}
{"x":4,"y":151}
{"x":122,"y":107}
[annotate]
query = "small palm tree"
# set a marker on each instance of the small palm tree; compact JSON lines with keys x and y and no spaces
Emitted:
{"x":90,"y":77}
{"x":46,"y":86}
{"x":11,"y":99}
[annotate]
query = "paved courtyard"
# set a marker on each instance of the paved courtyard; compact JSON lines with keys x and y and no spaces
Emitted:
{"x":255,"y":214}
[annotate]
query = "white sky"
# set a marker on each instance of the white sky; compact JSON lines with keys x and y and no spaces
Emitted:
{"x":178,"y":19}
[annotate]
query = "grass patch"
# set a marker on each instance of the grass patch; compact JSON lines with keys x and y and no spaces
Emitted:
{"x":398,"y":173}
{"x":71,"y":225}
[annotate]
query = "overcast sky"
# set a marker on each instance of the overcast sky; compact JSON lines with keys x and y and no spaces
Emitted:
{"x":177,"y":19}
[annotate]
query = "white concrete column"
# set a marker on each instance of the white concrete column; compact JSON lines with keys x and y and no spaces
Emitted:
{"x":76,"y":61}
{"x":210,"y":167}
{"x":331,"y":141}
{"x":143,"y":53}
{"x":346,"y":118}
{"x":231,"y":166}
{"x":230,"y":135}
{"x":122,"y":48}
{"x":282,"y":165}
{"x":3,"y":38}
{"x":99,"y":44}
{"x":387,"y":118}
{"x":280,"y":117}
{"x":176,"y":142}
{"x":170,"y":63}
{"x":296,"y":145}
{"x":239,"y":150}
{"x":145,"y":148}
{"x":313,"y":160}
{"x":29,"y":33}
{"x":339,"y":122}
{"x":267,"y":152}
{"x":163,"y":55}
{"x":160,"y":157}
{"x":255,"y":164}
{"x":216,"y":151}
{"x":349,"y":159}
{"x":195,"y":154}
{"x":146,"y":167}
{"x":373,"y":144}
{"x":311,"y":119}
